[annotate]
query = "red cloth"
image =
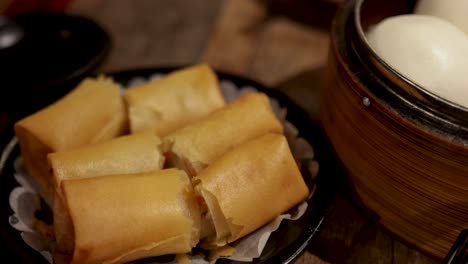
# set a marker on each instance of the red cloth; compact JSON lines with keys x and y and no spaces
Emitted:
{"x":18,"y":7}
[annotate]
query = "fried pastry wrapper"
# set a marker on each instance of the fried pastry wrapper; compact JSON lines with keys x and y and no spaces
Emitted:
{"x":135,"y":153}
{"x":92,"y":112}
{"x":177,"y":99}
{"x":248,"y":187}
{"x":199,"y":144}
{"x":119,"y":218}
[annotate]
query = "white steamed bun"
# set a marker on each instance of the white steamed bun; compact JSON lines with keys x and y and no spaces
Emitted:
{"x":428,"y":50}
{"x":454,"y":11}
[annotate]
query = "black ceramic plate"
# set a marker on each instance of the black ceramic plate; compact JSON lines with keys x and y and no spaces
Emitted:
{"x":284,"y":245}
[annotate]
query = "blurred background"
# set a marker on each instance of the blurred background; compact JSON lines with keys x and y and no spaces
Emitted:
{"x":157,"y":32}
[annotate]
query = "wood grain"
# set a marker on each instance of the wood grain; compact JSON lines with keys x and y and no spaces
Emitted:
{"x":349,"y":236}
{"x":286,"y":48}
{"x":152,"y":32}
{"x":233,"y":42}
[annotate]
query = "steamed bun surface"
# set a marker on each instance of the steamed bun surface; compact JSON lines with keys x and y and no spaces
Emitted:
{"x":453,"y":11}
{"x":428,"y":50}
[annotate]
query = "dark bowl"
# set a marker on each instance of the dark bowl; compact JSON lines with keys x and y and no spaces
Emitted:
{"x":54,"y":53}
{"x":405,"y":149}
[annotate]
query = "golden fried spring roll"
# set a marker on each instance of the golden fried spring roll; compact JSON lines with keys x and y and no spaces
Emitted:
{"x":92,"y":112}
{"x":139,"y":152}
{"x":178,"y":98}
{"x":248,"y":187}
{"x":197,"y":145}
{"x":116,"y":219}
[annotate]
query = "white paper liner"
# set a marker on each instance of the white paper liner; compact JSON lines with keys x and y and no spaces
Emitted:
{"x":251,"y":246}
{"x":25,"y":199}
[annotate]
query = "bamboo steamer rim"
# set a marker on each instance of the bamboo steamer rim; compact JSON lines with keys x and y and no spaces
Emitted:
{"x":450,"y":110}
{"x":427,"y":112}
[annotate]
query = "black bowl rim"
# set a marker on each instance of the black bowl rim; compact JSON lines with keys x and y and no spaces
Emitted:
{"x":46,"y":91}
{"x":105,"y":43}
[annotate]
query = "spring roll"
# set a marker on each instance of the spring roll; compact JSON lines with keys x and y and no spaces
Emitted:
{"x":248,"y":187}
{"x":178,"y":98}
{"x":139,"y":152}
{"x":197,"y":145}
{"x":92,"y":112}
{"x":120,"y":218}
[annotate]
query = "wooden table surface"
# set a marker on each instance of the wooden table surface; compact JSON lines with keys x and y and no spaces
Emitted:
{"x":280,"y":43}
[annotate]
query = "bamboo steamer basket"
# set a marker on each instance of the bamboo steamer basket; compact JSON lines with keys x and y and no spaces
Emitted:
{"x":405,"y":149}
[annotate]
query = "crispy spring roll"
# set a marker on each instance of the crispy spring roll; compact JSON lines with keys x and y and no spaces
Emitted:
{"x":116,"y":219}
{"x":92,"y":112}
{"x":135,"y":153}
{"x":197,"y":145}
{"x":178,"y":98}
{"x":248,"y":187}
